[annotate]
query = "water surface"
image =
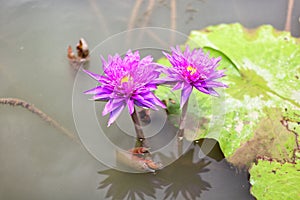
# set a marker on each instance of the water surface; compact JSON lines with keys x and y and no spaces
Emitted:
{"x":38,"y":161}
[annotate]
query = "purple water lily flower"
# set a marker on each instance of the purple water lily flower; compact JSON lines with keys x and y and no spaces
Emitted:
{"x":193,"y":69}
{"x":129,"y":81}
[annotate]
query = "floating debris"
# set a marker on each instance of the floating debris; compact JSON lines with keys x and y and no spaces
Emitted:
{"x":138,"y":158}
{"x":82,"y":54}
{"x":140,"y":151}
{"x":82,"y":49}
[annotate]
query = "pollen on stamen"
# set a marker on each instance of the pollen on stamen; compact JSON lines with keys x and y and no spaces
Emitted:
{"x":125,"y":79}
{"x":191,"y":70}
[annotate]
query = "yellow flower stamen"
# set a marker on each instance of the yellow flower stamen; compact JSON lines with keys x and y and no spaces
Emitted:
{"x":191,"y":69}
{"x":126,"y":79}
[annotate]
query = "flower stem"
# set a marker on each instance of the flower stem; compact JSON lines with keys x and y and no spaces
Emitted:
{"x":137,"y":125}
{"x":182,"y":121}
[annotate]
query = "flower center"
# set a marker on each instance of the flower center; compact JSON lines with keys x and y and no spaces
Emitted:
{"x":126,"y":79}
{"x":191,"y":70}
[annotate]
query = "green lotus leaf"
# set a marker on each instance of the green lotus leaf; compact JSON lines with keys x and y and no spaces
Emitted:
{"x":272,"y":180}
{"x":258,"y":114}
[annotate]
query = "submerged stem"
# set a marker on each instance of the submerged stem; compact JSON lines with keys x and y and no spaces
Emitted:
{"x":97,"y":11}
{"x":182,"y":121}
{"x":41,"y":114}
{"x":289,"y":15}
{"x":134,"y":14}
{"x":173,"y":20}
{"x":147,"y":15}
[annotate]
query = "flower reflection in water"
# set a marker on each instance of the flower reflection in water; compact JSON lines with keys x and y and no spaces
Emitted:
{"x":183,"y":176}
{"x":129,"y":185}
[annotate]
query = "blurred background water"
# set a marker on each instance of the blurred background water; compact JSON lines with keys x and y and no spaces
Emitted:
{"x":36,"y":160}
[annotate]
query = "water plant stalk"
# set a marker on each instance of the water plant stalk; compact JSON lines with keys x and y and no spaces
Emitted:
{"x":182,"y":120}
{"x":30,"y":107}
{"x":138,"y":128}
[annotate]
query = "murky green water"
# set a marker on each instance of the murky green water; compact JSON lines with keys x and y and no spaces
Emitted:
{"x":38,"y":161}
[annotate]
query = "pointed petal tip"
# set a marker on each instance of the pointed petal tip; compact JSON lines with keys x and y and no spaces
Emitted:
{"x":163,"y":106}
{"x":213,"y":92}
{"x":115,"y":114}
{"x":165,"y":53}
{"x":185,"y":95}
{"x":87,"y":92}
{"x":110,"y":122}
{"x":130,"y":105}
{"x":156,"y":108}
{"x":92,"y":75}
{"x":181,"y":105}
{"x":86,"y":71}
